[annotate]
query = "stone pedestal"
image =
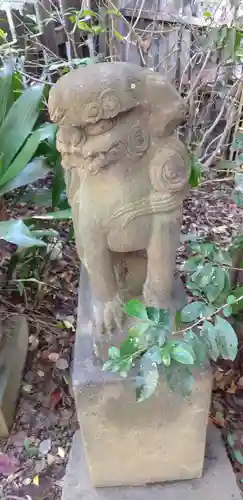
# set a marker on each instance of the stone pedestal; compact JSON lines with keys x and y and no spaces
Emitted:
{"x":161,"y":439}
{"x":13,"y":351}
{"x":218,"y":481}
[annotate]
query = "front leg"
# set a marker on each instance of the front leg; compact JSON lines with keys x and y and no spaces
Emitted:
{"x":161,"y":253}
{"x":108,"y":309}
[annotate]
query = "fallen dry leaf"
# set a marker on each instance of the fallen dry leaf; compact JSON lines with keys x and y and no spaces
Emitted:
{"x":56,"y":397}
{"x":8,"y":465}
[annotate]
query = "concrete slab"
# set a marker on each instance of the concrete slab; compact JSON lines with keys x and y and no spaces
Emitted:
{"x":218,"y":481}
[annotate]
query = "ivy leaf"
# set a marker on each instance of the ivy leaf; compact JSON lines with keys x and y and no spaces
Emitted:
{"x":136,"y":309}
{"x":209,"y":334}
{"x":183,"y":353}
{"x":192,"y":311}
{"x":227,"y":338}
{"x":150,"y":376}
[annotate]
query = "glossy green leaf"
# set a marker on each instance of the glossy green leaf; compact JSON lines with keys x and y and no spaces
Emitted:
{"x":16,"y":232}
{"x":113,"y":352}
{"x":19,"y":123}
{"x":216,"y":285}
{"x":6,"y":75}
{"x":36,"y":169}
{"x":154,"y":353}
{"x":192,"y":311}
{"x":150,"y":376}
{"x":237,"y":455}
{"x":135,"y":308}
{"x":165,"y":355}
{"x":129,"y":346}
{"x":205,"y":275}
{"x":199,"y":348}
{"x":179,"y":378}
{"x":238,"y":306}
{"x":183,"y":353}
{"x":153,"y":314}
{"x":210,"y":336}
{"x":195,"y":175}
{"x":226,"y":338}
{"x":227,"y":311}
{"x":192,"y":263}
{"x":26,"y":153}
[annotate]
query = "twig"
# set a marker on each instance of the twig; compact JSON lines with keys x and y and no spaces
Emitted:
{"x":197,"y":79}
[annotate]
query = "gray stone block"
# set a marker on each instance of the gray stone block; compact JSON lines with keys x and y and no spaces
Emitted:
{"x":129,"y":444}
{"x":218,"y":481}
{"x":13,"y":351}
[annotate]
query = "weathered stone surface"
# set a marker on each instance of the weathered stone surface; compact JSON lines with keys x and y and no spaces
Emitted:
{"x":129,"y":443}
{"x":218,"y":481}
{"x":13,"y":351}
{"x":127,"y":174}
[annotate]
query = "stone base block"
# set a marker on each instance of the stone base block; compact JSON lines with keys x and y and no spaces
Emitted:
{"x":129,"y":444}
{"x":218,"y":481}
{"x":13,"y":351}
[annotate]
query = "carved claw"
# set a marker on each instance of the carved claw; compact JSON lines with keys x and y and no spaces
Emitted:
{"x":110,"y":318}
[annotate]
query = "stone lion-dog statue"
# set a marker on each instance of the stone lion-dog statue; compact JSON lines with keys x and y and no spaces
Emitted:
{"x":126,"y":174}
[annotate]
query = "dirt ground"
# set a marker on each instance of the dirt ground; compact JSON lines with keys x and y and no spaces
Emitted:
{"x":33,"y":459}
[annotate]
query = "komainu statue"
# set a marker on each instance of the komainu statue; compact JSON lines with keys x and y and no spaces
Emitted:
{"x":126,"y":174}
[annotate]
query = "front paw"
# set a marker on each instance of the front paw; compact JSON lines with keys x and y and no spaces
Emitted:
{"x":109,"y":317}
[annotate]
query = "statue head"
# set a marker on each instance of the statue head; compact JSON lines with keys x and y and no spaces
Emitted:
{"x":109,"y":111}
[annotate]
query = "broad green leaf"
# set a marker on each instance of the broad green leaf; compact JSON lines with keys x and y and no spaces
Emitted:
{"x":58,"y":215}
{"x":227,"y":311}
{"x":136,"y":309}
{"x":19,"y":123}
{"x":139,"y":329}
{"x":199,"y":348}
{"x":129,"y":346}
{"x":226,"y":338}
{"x":58,"y":183}
{"x":194,"y":289}
{"x":150,"y":376}
{"x":238,"y":306}
{"x":179,"y":378}
{"x":36,"y":169}
{"x":26,"y":153}
{"x":6,"y":75}
{"x":113,"y":352}
{"x":192,"y":263}
{"x":183,"y":353}
{"x":209,"y":334}
{"x":154,"y":353}
{"x":222,"y":257}
{"x":16,"y":232}
{"x":205,"y":275}
{"x":192,"y":311}
{"x":216,"y":285}
{"x":125,"y":365}
{"x":195,"y":175}
{"x":209,"y":310}
{"x":237,"y":455}
{"x":153,"y":314}
{"x":165,"y":354}
{"x":231,"y":299}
